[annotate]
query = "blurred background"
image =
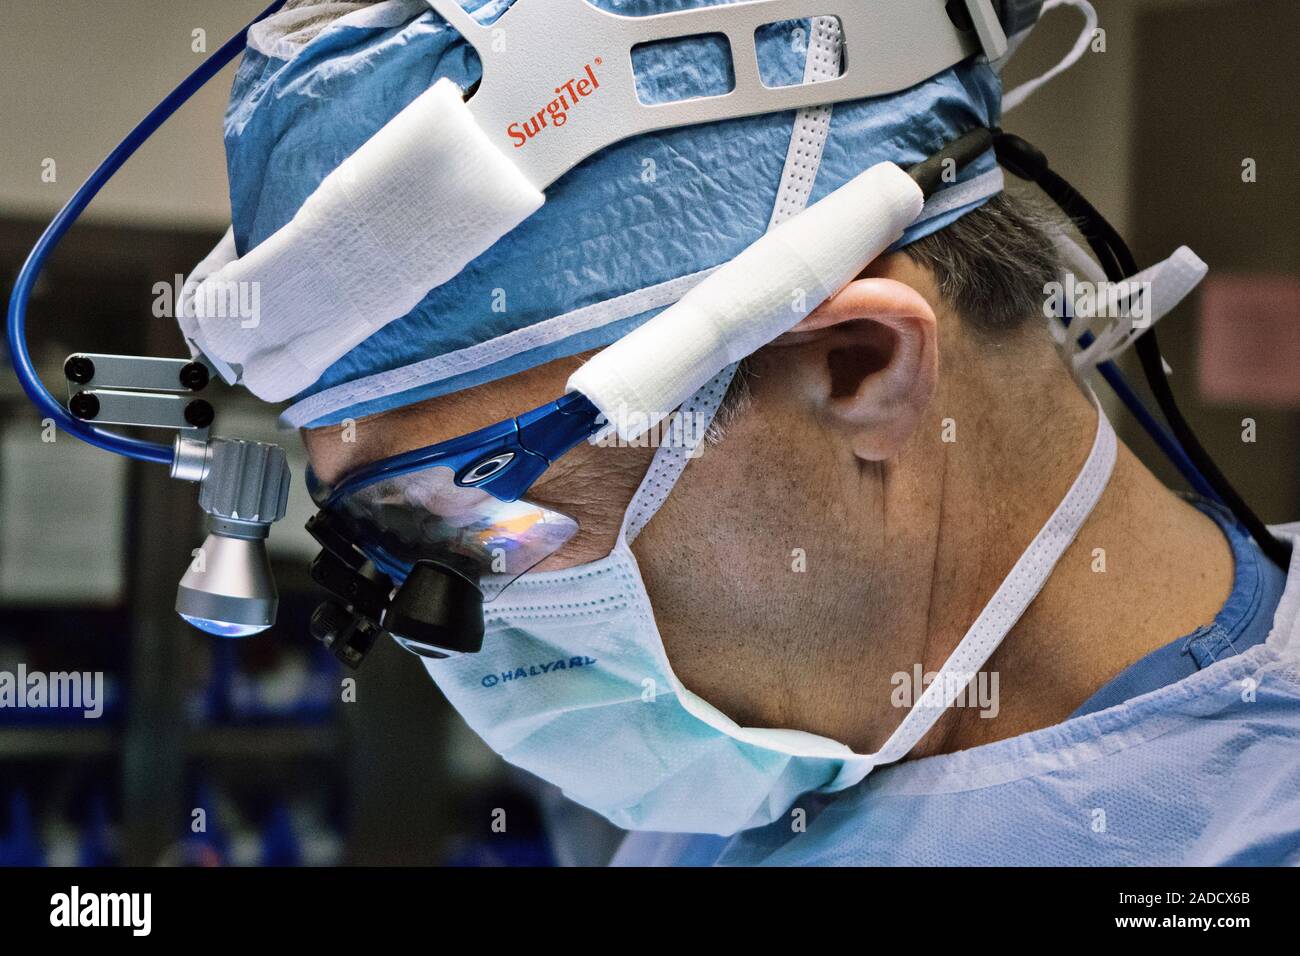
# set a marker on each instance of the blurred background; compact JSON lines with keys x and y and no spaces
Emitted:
{"x":252,"y":739}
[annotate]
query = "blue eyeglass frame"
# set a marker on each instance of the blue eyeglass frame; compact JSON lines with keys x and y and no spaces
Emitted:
{"x":518,"y":449}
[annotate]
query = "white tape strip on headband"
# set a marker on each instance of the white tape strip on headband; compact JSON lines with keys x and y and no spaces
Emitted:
{"x":803,"y":158}
{"x":765,"y":291}
{"x":405,"y":213}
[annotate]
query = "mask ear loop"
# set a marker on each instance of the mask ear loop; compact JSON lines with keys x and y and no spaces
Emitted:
{"x":1007,"y":605}
{"x":687,"y":429}
{"x":686,"y":432}
{"x":1025,"y":90}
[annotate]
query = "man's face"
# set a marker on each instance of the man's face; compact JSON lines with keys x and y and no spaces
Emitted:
{"x":764,"y":560}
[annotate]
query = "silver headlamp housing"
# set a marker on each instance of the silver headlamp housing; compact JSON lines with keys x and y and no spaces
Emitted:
{"x":229,"y":589}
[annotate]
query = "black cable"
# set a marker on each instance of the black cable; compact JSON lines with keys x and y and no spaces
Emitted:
{"x":952,"y":159}
{"x":1027,"y":162}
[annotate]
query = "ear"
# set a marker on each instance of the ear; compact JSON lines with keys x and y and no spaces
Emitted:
{"x":870,"y":358}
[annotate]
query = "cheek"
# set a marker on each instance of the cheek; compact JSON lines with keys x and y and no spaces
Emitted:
{"x":726,"y":558}
{"x":592,"y":485}
{"x":743,"y":507}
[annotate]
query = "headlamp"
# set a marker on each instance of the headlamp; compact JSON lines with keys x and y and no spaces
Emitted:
{"x":244,"y":486}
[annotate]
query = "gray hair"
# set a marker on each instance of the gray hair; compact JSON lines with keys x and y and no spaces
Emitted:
{"x":992,"y":265}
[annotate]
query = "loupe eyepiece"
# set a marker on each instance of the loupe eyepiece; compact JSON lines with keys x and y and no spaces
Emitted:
{"x":438,"y":611}
{"x":348,"y":626}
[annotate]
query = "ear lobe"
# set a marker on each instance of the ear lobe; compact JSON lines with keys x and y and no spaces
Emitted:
{"x":878,"y":344}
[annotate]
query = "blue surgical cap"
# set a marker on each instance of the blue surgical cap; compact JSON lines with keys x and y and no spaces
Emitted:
{"x":634,"y":217}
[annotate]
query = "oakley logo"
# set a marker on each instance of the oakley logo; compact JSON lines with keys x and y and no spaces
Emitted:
{"x":556,"y":112}
{"x":537,"y":670}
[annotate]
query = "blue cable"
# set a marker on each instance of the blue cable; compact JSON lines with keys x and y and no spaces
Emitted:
{"x":1159,"y":434}
{"x":31,"y":270}
{"x":1151,"y":425}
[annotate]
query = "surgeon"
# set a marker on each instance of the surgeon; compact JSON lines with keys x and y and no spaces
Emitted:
{"x":732,"y":659}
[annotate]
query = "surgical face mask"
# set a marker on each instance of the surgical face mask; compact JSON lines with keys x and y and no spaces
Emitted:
{"x":573,"y":683}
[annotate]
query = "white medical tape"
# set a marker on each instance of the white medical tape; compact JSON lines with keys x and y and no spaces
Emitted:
{"x":761,"y":294}
{"x":598,"y":314}
{"x":405,"y":213}
{"x":808,"y":139}
{"x":222,"y":254}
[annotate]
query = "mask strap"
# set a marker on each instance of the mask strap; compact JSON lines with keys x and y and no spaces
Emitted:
{"x":1025,"y":90}
{"x":1010,"y":600}
{"x":807,"y":140}
{"x":1157,"y":291}
{"x":687,"y":429}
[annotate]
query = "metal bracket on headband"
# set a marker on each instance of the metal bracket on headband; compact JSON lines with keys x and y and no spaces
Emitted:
{"x":135,"y":390}
{"x":543,"y":58}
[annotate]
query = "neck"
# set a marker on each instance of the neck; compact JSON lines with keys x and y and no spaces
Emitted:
{"x":1145,"y":569}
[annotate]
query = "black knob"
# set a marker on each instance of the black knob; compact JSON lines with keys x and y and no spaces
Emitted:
{"x":328,"y":621}
{"x":79,"y":369}
{"x":194,"y":376}
{"x":199,"y":413}
{"x":84,"y":405}
{"x":348,"y":638}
